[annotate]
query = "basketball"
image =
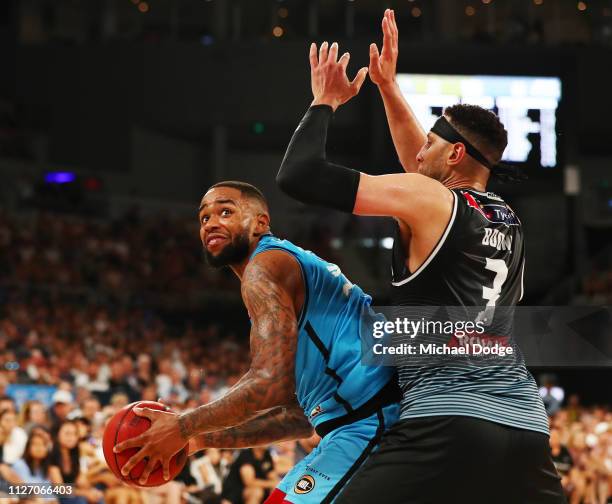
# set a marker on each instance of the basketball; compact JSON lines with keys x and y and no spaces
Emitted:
{"x":125,"y":424}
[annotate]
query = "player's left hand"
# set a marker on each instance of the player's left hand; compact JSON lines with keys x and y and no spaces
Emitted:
{"x":330,"y":85}
{"x":159,"y":443}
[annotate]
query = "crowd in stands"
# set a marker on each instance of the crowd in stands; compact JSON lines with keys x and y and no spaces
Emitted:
{"x":581,"y":444}
{"x":127,"y":260}
{"x":133,"y":260}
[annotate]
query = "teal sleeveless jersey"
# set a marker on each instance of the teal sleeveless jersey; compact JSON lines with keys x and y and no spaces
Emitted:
{"x":330,"y":380}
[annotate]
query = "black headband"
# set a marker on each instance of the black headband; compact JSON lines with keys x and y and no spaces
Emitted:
{"x":504,"y":172}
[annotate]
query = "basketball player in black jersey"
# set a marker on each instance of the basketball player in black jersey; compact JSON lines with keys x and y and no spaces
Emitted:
{"x":467,"y":434}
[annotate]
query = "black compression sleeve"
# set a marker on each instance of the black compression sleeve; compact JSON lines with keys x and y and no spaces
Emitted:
{"x":307,"y":176}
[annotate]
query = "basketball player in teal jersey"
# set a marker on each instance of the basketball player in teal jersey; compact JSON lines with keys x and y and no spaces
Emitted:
{"x":306,"y":369}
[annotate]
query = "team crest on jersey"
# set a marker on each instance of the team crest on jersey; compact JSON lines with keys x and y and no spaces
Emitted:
{"x":304,"y":485}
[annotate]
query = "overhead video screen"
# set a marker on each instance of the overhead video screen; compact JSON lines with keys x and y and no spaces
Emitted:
{"x":527,"y":106}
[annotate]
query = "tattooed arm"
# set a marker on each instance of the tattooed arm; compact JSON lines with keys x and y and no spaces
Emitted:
{"x":271,"y":285}
{"x":281,"y":424}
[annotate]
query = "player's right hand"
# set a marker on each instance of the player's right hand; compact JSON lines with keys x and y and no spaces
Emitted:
{"x":382,"y":66}
{"x":330,"y":84}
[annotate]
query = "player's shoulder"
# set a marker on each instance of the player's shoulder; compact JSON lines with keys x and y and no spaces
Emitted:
{"x":488,"y":205}
{"x":271,"y":242}
{"x":273,"y":264}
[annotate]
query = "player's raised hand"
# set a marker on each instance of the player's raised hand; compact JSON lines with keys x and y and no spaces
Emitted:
{"x":330,"y":84}
{"x":382,"y":66}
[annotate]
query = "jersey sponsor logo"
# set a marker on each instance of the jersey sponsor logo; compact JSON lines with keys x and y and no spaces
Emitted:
{"x":500,"y":214}
{"x":496,"y":239}
{"x":493,"y":212}
{"x":304,"y":485}
{"x":316,"y":411}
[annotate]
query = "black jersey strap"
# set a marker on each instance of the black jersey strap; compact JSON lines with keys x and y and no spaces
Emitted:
{"x":389,"y":394}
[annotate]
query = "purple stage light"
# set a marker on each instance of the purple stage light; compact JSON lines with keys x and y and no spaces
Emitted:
{"x":60,"y":177}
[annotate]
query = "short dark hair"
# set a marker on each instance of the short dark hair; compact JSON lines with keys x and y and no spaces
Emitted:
{"x":246,"y":189}
{"x":481,"y":127}
{"x":29,"y":460}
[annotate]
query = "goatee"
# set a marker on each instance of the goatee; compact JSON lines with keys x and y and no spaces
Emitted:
{"x":234,"y":253}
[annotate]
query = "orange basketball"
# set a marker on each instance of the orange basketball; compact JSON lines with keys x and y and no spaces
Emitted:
{"x":124,"y":425}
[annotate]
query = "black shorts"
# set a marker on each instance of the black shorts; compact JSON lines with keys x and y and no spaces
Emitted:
{"x":459,"y":460}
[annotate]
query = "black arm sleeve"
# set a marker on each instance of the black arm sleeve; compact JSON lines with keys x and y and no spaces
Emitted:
{"x":307,"y":176}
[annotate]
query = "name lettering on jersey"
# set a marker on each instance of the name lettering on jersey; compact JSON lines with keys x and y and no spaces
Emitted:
{"x":336,"y":272}
{"x":496,"y":239}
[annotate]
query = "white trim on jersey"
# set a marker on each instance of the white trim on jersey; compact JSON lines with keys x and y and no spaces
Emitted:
{"x":435,"y":250}
{"x":522,"y":280}
{"x":488,"y":194}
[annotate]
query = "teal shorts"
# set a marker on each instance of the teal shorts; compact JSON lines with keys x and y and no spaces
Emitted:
{"x":319,"y":477}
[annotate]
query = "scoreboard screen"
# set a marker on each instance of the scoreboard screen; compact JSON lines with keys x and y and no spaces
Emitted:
{"x":527,"y":106}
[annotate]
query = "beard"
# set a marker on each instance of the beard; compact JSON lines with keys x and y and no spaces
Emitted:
{"x":234,"y":252}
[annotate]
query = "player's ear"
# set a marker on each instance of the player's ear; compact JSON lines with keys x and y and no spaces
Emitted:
{"x":262,"y":224}
{"x":456,"y":154}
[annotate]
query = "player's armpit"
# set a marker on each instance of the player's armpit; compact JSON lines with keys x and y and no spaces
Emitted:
{"x":270,"y":286}
{"x":410,"y":197}
{"x":281,"y":424}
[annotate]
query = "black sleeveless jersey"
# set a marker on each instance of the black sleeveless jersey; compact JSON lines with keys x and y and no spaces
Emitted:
{"x":478,"y":262}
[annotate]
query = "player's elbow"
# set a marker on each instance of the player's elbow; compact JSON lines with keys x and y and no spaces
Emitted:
{"x":274,"y":391}
{"x":284,"y":180}
{"x":293,"y":178}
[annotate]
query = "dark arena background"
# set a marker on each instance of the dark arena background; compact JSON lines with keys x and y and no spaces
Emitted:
{"x":117,"y":115}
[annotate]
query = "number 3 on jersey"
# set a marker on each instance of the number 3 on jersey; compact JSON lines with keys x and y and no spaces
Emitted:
{"x":491,"y":295}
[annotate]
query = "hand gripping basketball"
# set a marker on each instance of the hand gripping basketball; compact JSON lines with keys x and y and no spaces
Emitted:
{"x":142,"y":444}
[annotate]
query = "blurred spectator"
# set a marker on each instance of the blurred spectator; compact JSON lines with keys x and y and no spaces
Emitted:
{"x":283,"y":455}
{"x":209,"y":472}
{"x":36,"y":461}
{"x":66,"y":468}
{"x":304,"y":446}
{"x":561,"y":457}
{"x":91,"y":410}
{"x":251,"y":477}
{"x":62,"y":404}
{"x":7,"y":403}
{"x":33,"y":413}
{"x":552,"y":396}
{"x":13,"y":438}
